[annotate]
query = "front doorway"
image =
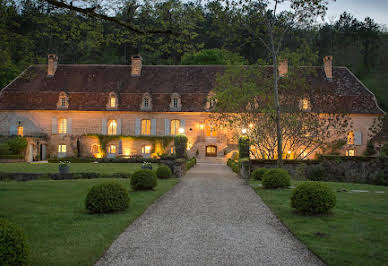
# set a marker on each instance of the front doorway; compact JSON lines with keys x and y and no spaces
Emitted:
{"x":211,"y":151}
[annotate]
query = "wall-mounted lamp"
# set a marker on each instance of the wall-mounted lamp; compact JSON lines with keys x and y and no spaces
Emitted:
{"x":181,"y":130}
{"x":244,"y":131}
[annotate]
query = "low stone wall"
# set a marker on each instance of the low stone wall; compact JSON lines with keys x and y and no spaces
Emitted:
{"x":343,"y":169}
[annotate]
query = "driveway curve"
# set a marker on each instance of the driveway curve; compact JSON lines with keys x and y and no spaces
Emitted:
{"x":210,"y":218}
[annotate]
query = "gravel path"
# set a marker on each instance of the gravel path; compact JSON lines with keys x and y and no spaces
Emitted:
{"x":210,"y":218}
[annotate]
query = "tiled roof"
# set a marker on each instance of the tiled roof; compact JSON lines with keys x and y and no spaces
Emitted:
{"x":88,"y":87}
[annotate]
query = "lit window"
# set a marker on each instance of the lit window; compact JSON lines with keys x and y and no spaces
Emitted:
{"x":175,"y":124}
{"x":146,"y":149}
{"x":112,"y":149}
{"x":350,"y":153}
{"x":20,"y":131}
{"x":305,"y":104}
{"x":351,"y":138}
{"x":113,"y":101}
{"x":62,"y":126}
{"x":172,"y":150}
{"x":175,"y":102}
{"x":210,"y":131}
{"x":61,"y":148}
{"x":96,"y":148}
{"x":112,"y":127}
{"x":146,"y":127}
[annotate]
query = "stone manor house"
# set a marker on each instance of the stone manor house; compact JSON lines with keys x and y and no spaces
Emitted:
{"x":62,"y":108}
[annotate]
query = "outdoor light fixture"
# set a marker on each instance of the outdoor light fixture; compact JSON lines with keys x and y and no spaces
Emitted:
{"x":181,"y":130}
{"x":201,"y":126}
{"x":244,"y":131}
{"x":289,"y":152}
{"x":251,"y":125}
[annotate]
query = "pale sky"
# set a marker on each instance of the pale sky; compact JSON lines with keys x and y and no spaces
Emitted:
{"x":376,"y":9}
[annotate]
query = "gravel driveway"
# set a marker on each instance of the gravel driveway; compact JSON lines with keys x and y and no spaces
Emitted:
{"x":210,"y":218}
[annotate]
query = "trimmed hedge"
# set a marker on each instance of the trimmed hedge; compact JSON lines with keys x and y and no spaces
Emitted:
{"x":163,"y":172}
{"x":234,"y":165}
{"x":313,"y":198}
{"x":180,"y":142}
{"x":258,"y":173}
{"x":143,"y":179}
{"x":190,"y":163}
{"x":13,"y":244}
{"x":316,"y":173}
{"x":243,"y":147}
{"x":107,"y":197}
{"x":276,"y":178}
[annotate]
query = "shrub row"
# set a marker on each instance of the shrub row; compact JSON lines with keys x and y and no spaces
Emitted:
{"x":190,"y":163}
{"x":234,"y":165}
{"x":57,"y":176}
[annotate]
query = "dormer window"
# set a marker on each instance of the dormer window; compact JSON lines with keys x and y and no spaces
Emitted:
{"x":304,"y":104}
{"x":63,"y":101}
{"x":146,"y":103}
{"x":175,"y":104}
{"x":112,"y":101}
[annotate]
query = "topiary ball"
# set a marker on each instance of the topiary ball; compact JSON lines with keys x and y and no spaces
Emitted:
{"x":143,"y":179}
{"x":313,"y":198}
{"x":258,"y":173}
{"x":107,"y":197}
{"x":163,"y":172}
{"x":276,"y":178}
{"x":13,"y":245}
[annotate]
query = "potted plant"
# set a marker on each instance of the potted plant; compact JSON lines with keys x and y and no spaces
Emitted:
{"x":146,"y":165}
{"x":64,"y":167}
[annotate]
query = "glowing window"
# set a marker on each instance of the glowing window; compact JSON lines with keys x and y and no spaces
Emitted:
{"x":305,"y":104}
{"x":146,"y":149}
{"x":62,"y":126}
{"x":175,"y":124}
{"x":350,"y":153}
{"x":96,"y":148}
{"x":351,"y":138}
{"x":210,"y":131}
{"x":61,"y":148}
{"x":172,"y":150}
{"x":113,"y":101}
{"x":146,"y":127}
{"x":20,"y":131}
{"x":112,"y":127}
{"x":112,"y":149}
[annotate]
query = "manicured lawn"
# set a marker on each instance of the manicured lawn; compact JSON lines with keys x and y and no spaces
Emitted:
{"x":102,"y":168}
{"x":355,"y":233}
{"x":58,"y":228}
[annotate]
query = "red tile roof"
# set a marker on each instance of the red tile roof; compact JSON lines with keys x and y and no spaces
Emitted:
{"x":88,"y":87}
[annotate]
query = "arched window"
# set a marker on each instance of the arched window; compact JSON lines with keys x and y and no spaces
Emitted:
{"x":146,"y":104}
{"x":146,"y":151}
{"x":112,"y":127}
{"x":146,"y":127}
{"x":63,"y":101}
{"x":112,"y":149}
{"x":175,"y":124}
{"x":112,"y":101}
{"x":351,"y":138}
{"x":62,"y":126}
{"x":175,"y":104}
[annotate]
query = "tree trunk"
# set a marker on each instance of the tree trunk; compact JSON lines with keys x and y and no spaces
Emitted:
{"x":277,"y":107}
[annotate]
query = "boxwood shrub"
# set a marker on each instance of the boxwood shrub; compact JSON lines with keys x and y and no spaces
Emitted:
{"x":313,"y":198}
{"x":163,"y":172}
{"x":107,"y":197}
{"x":13,"y":245}
{"x":143,"y":179}
{"x":258,"y":173}
{"x":276,"y":178}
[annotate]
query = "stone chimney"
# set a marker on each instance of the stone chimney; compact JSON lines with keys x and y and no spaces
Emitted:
{"x":52,"y":65}
{"x":283,"y":68}
{"x":328,"y":66}
{"x":136,"y":65}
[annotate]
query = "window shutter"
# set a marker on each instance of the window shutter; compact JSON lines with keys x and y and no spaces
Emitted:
{"x":183,"y":124}
{"x":54,"y":126}
{"x":153,"y":127}
{"x":167,"y":127}
{"x":357,"y":138}
{"x":69,"y":126}
{"x":137,"y":130}
{"x":103,"y":129}
{"x":118,"y":126}
{"x":12,"y":130}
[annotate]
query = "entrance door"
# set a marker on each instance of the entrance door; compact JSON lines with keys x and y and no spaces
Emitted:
{"x":211,"y":151}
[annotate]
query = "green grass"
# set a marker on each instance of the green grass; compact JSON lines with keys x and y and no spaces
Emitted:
{"x":102,"y":168}
{"x":58,"y":228}
{"x":355,"y":233}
